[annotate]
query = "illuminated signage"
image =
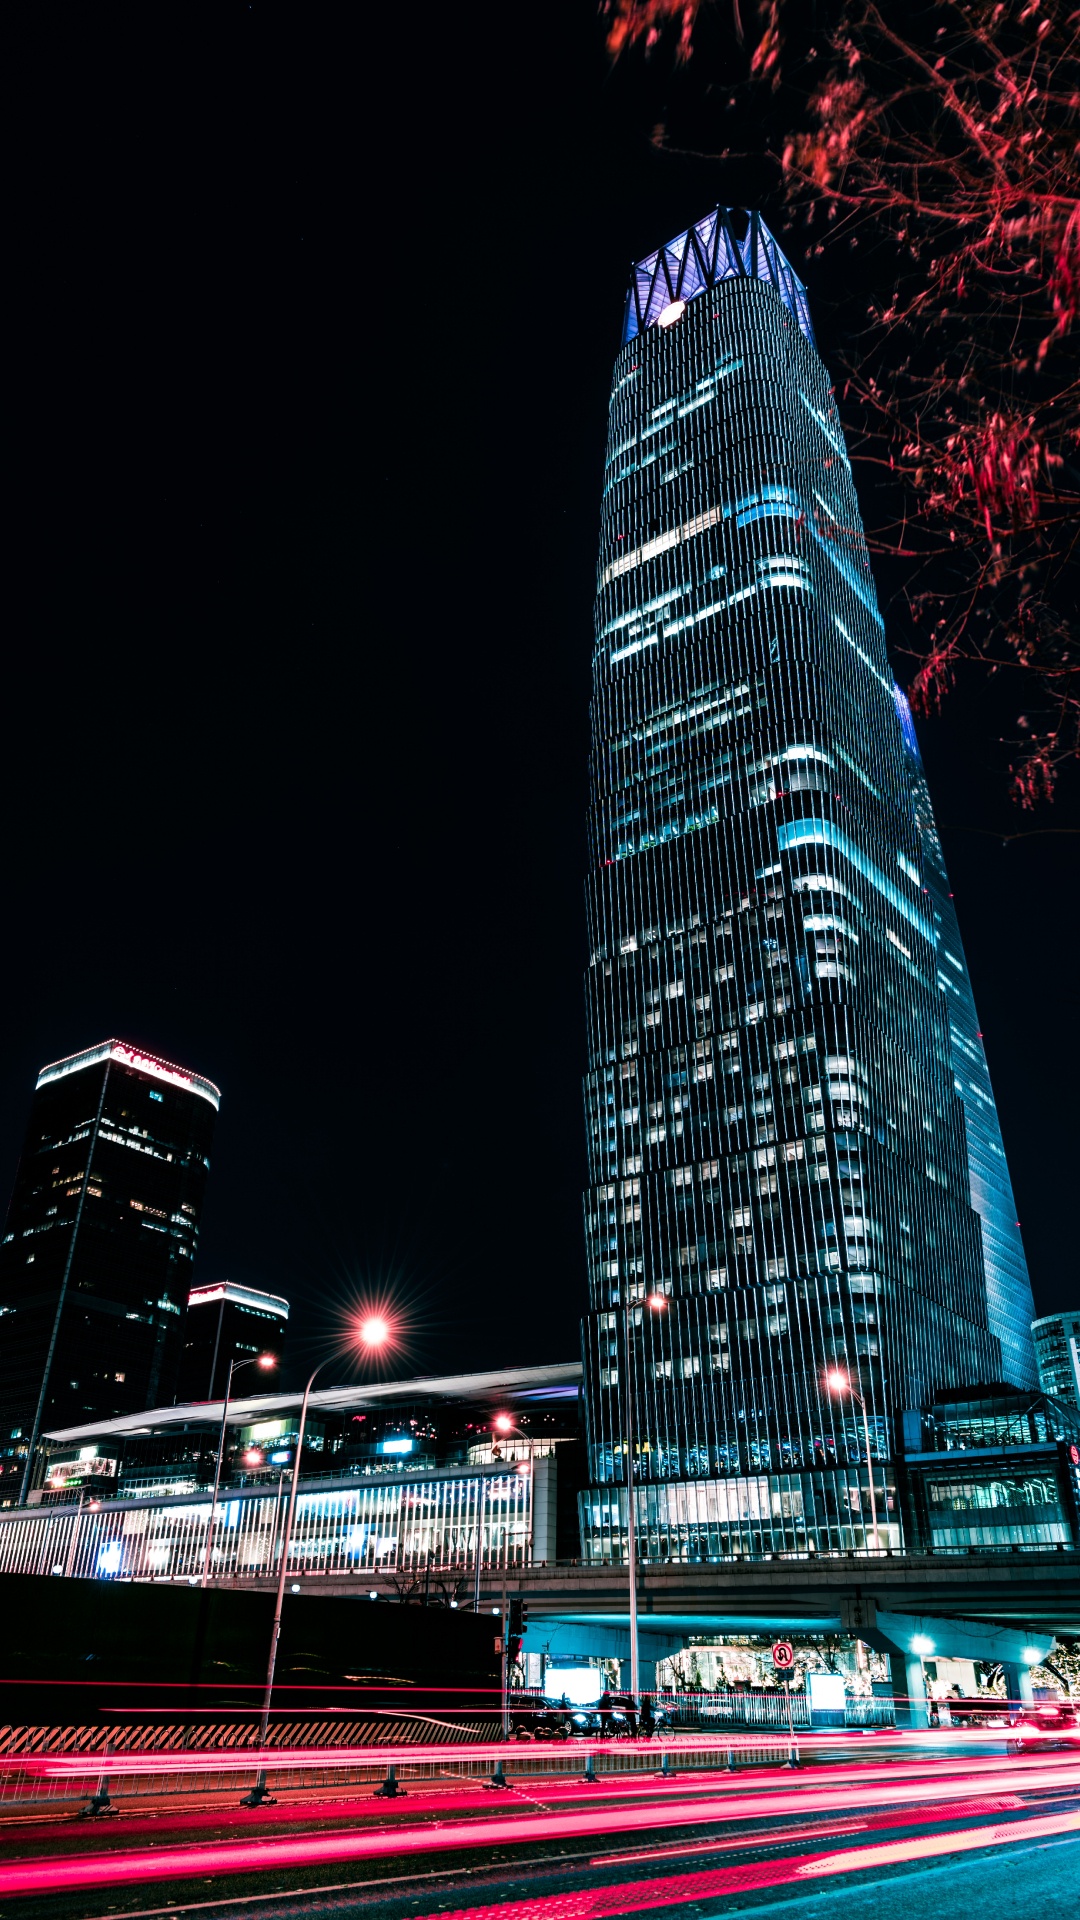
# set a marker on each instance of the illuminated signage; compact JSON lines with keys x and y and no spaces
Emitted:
{"x":241,"y":1296}
{"x":396,"y":1446}
{"x":126,"y":1056}
{"x":66,"y":1473}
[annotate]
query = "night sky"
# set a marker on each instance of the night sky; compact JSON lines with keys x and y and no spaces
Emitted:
{"x":314,"y":327}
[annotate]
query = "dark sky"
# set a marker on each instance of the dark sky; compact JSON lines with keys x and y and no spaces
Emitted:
{"x":314,"y":326}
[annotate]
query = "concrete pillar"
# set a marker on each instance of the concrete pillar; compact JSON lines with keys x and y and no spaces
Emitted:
{"x":1018,"y":1685}
{"x":912,"y":1711}
{"x":544,"y":1486}
{"x":646,"y":1675}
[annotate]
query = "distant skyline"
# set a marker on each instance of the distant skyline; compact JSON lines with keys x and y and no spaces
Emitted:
{"x":298,"y":724}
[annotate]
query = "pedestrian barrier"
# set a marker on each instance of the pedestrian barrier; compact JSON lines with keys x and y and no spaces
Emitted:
{"x":74,"y":1774}
{"x":373,"y":1731}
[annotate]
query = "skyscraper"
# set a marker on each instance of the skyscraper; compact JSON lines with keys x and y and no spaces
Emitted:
{"x":1057,"y":1352}
{"x":777,"y":1139}
{"x":97,"y":1257}
{"x":227,"y":1322}
{"x":1008,"y":1289}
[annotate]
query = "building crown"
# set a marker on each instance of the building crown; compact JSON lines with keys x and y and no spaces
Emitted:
{"x":709,"y":252}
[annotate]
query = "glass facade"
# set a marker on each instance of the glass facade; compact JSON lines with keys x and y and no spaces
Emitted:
{"x":398,"y":1475}
{"x":1057,"y":1354}
{"x":994,"y":1471}
{"x":387,"y":1526}
{"x":777,"y":1143}
{"x":97,"y":1257}
{"x":1008,"y":1289}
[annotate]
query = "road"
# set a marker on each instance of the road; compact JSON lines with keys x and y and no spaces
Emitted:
{"x":886,"y":1837}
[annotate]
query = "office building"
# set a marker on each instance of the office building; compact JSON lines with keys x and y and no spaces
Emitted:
{"x":780,"y":1155}
{"x":408,"y":1479}
{"x":97,"y":1258}
{"x":228,"y":1323}
{"x":1008,"y":1289}
{"x":993,"y":1472}
{"x":1057,"y":1352}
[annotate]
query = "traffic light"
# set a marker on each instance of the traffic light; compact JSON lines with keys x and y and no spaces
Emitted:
{"x":517,"y":1618}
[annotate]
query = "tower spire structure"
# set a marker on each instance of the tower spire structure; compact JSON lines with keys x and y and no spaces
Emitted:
{"x":777,"y":1141}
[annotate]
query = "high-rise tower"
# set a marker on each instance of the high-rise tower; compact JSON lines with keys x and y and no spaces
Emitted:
{"x":776,"y":1137}
{"x":96,"y":1262}
{"x":1008,"y":1289}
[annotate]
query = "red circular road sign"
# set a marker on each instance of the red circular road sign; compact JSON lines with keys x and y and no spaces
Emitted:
{"x":783,"y":1654}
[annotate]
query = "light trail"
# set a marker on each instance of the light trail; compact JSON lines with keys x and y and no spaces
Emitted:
{"x":638,"y":1896}
{"x":245,"y":1759}
{"x":276,"y":1851}
{"x":776,"y":1836}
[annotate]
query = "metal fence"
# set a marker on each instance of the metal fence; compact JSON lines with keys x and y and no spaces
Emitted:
{"x":767,"y":1709}
{"x":31,"y":1777}
{"x":372,"y":1527}
{"x":717,"y":1712}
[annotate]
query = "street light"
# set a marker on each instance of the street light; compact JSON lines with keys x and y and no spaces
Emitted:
{"x":657,"y":1303}
{"x":501,"y":1425}
{"x":266,"y":1361}
{"x":373,"y":1332}
{"x":840,"y":1383}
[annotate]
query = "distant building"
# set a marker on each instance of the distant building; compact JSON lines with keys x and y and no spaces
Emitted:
{"x":405,"y":1478}
{"x":227,"y":1322}
{"x":97,"y":1258}
{"x":1057,"y":1353}
{"x":989,"y":1468}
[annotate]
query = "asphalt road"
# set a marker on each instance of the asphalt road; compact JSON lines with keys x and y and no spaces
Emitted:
{"x":891,"y":1838}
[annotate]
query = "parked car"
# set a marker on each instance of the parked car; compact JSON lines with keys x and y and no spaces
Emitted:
{"x":1044,"y":1726}
{"x":543,"y":1723}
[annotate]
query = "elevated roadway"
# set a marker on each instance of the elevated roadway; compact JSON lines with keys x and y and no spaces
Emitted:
{"x":1036,"y":1593}
{"x":992,"y":1607}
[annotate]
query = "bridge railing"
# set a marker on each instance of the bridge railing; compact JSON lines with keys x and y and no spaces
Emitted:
{"x":731,"y":1708}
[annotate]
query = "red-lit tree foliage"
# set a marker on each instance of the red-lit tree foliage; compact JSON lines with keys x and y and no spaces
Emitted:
{"x":940,"y":138}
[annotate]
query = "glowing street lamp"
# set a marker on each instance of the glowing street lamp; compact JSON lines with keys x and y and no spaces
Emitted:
{"x":373,"y":1332}
{"x":501,"y":1425}
{"x":839,"y":1382}
{"x":266,"y":1361}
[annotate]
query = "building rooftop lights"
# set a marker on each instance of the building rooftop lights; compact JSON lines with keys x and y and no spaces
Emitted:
{"x":129,"y":1056}
{"x":241,"y":1296}
{"x":708,"y":253}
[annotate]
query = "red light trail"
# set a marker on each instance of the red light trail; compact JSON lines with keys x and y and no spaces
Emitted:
{"x":270,"y":1852}
{"x":637,"y":1896}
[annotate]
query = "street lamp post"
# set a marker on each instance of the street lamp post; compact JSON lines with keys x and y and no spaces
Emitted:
{"x":657,"y":1302}
{"x":479,"y":1542}
{"x":374,"y":1332}
{"x":265,"y":1360}
{"x":503,"y":1425}
{"x":841,"y":1383}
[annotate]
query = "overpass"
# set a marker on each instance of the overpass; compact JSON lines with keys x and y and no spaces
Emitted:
{"x":994,"y":1606}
